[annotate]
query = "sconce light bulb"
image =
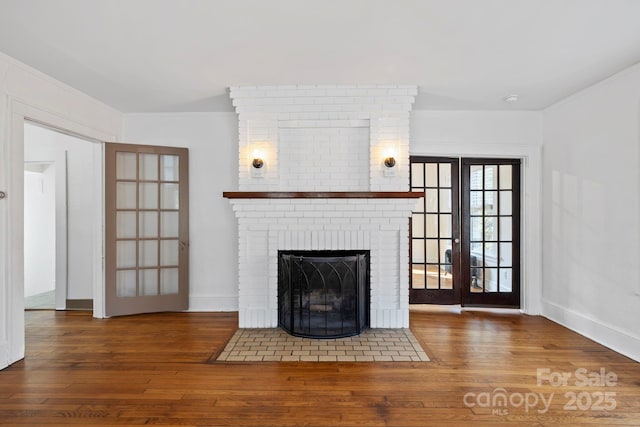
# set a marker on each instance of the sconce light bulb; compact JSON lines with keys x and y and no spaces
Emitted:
{"x":390,"y":162}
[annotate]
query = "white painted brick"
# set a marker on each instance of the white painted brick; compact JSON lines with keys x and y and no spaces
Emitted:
{"x":328,"y":117}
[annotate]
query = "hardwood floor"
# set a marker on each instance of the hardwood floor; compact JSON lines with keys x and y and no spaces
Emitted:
{"x":156,"y":369}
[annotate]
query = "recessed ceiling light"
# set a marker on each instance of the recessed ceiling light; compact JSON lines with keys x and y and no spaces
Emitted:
{"x":510,"y":98}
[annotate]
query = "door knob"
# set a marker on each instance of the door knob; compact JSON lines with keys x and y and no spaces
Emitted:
{"x":3,"y":195}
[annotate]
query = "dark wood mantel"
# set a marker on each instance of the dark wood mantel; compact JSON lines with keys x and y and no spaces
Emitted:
{"x":322,"y":194}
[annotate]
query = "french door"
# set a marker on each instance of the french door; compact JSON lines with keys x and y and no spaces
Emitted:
{"x":435,"y":232}
{"x":466,"y":236}
{"x":147,"y":229}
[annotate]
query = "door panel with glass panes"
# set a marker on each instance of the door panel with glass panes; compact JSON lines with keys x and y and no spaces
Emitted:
{"x":434,"y":228}
{"x":146,"y":229}
{"x":491,"y":232}
{"x":476,"y":263}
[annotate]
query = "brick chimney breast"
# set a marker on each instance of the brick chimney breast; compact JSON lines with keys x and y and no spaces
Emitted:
{"x":324,"y":139}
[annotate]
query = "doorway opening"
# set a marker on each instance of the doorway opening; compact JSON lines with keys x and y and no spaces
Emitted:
{"x":59,"y":218}
{"x":40,"y":235}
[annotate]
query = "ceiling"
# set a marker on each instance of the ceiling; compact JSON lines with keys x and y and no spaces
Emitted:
{"x":182,"y":55}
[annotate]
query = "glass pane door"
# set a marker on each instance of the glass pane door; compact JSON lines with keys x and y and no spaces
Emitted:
{"x":478,"y":264}
{"x":491,"y":230}
{"x":434,"y":228}
{"x":147,"y":228}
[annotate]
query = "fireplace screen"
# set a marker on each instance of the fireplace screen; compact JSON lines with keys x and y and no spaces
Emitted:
{"x":323,"y":294}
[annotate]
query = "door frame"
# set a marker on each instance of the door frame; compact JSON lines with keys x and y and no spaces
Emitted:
{"x":530,"y":202}
{"x":18,"y":112}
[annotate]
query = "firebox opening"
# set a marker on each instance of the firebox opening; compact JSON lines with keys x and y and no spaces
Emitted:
{"x":323,"y":294}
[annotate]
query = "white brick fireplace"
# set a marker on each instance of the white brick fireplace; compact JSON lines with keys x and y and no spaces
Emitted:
{"x":323,"y":186}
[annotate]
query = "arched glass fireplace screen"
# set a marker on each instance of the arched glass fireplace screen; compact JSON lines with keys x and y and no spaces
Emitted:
{"x":323,"y":294}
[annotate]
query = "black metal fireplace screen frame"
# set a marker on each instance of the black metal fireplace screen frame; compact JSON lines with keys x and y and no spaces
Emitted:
{"x":323,"y":294}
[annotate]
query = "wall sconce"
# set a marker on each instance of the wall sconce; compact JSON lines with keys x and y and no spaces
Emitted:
{"x":389,"y":163}
{"x":258,"y":164}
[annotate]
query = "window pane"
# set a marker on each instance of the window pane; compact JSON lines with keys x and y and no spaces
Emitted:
{"x":505,"y":280}
{"x":169,"y":252}
{"x":490,"y":255}
{"x":417,"y":277}
{"x":476,"y":278}
{"x":445,"y":200}
{"x":169,"y":165}
{"x":417,"y":225}
{"x":432,"y":174}
{"x":490,"y":279}
{"x":125,"y":254}
{"x":505,"y":228}
{"x":148,"y":196}
{"x":432,"y":277}
{"x":506,"y":254}
{"x":126,"y":283}
{"x":432,"y":225}
{"x":417,"y":175}
{"x":506,"y":207}
{"x":505,"y":177}
{"x":475,"y":201}
{"x":170,"y":196}
{"x":491,"y":177}
{"x":149,"y":282}
{"x":476,"y":229}
{"x":125,"y":225}
{"x":475,"y":262}
{"x":148,"y":253}
{"x":169,"y":224}
{"x":490,"y":229}
{"x":148,"y":167}
{"x":148,"y":224}
{"x":432,"y":251}
{"x":477,"y":250}
{"x":445,"y":252}
{"x":417,"y":251}
{"x":490,"y":202}
{"x":445,"y":175}
{"x":475,"y":177}
{"x":126,"y":195}
{"x":168,"y":281}
{"x":125,"y":165}
{"x":445,"y":225}
{"x":431,"y":200}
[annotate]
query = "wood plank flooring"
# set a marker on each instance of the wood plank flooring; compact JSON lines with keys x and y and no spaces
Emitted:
{"x":156,"y":370}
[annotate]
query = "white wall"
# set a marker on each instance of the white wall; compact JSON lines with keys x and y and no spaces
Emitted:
{"x":27,"y":93}
{"x":591,"y":186}
{"x":514,"y":134}
{"x":212,"y":140}
{"x":465,"y":128}
{"x":45,"y":145}
{"x":39,"y":230}
{"x":213,"y":136}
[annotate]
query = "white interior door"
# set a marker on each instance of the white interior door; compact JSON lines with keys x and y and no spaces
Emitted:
{"x":146,"y":229}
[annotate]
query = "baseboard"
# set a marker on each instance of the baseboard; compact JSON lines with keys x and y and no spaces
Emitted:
{"x":610,"y":336}
{"x":213,"y":303}
{"x":79,"y":304}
